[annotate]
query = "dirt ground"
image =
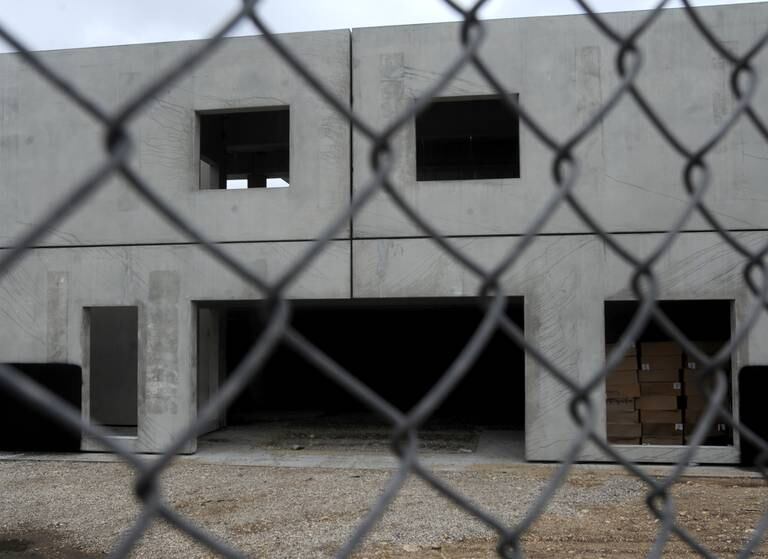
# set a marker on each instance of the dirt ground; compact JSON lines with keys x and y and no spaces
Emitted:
{"x":720,"y":513}
{"x":74,"y":510}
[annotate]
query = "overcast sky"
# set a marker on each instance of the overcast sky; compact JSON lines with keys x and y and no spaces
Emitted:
{"x":55,"y":24}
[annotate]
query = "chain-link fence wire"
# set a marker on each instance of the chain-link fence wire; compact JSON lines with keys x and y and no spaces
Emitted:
{"x":565,"y":171}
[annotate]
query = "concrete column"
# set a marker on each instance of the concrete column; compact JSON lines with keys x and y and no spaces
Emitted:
{"x":566,"y":324}
{"x":166,"y":403}
{"x":56,"y":333}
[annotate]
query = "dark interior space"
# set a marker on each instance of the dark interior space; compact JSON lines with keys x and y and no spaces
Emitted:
{"x":24,"y":427}
{"x":114,"y":335}
{"x":397,"y":348}
{"x":705,"y":320}
{"x":753,"y":386}
{"x":706,"y":323}
{"x":244,"y":149}
{"x":467,"y":139}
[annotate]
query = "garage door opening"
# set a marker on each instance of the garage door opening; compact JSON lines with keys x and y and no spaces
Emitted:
{"x":399,"y":348}
{"x":654,"y":397}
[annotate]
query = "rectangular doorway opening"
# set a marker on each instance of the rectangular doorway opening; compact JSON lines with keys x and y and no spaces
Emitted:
{"x":397,"y":347}
{"x":654,"y":397}
{"x":113,"y":367}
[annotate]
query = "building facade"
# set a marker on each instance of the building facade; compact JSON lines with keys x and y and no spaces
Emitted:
{"x":116,"y":252}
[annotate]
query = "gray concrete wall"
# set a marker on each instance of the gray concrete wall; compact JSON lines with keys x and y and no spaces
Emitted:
{"x":164,"y":282}
{"x":563,"y":69}
{"x":47,"y":144}
{"x":564,"y":282}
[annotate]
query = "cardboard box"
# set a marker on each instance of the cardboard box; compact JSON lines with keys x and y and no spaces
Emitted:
{"x":658,"y":402}
{"x":621,"y":377}
{"x":650,"y":363}
{"x":672,"y":440}
{"x":661,"y":416}
{"x":620,"y":391}
{"x":717,"y":430}
{"x":659,"y":375}
{"x":694,"y":364}
{"x":698,"y":401}
{"x":624,"y":440}
{"x":623,"y":430}
{"x":631,"y":351}
{"x":620,"y":404}
{"x":696,"y":398}
{"x":660,"y":348}
{"x":663,"y":388}
{"x":691,"y":380}
{"x":709,"y":348}
{"x":694,"y":415}
{"x":663,"y":429}
{"x":691,"y":376}
{"x":617,"y":416}
{"x":627,"y":364}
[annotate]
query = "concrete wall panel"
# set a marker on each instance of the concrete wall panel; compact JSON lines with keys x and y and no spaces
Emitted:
{"x":164,"y":282}
{"x":48,"y":145}
{"x":564,"y":282}
{"x":563,"y":69}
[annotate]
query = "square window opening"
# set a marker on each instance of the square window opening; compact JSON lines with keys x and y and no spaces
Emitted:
{"x":467,"y":139}
{"x":245,"y":149}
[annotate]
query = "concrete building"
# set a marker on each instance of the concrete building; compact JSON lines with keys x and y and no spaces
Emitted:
{"x":148,"y":315}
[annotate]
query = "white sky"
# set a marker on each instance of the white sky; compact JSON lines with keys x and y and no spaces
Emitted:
{"x":55,"y":24}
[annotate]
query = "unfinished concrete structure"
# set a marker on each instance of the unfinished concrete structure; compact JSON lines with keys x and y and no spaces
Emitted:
{"x":117,"y":263}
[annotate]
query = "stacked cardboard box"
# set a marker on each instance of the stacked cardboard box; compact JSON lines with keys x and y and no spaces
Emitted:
{"x":660,"y":402}
{"x":622,"y":390}
{"x":653,"y":396}
{"x":696,"y":399}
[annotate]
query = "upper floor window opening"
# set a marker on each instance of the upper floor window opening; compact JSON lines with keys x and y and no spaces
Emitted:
{"x":466,"y":139}
{"x":245,"y":149}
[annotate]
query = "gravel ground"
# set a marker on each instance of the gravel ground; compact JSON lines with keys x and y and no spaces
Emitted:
{"x":70,"y":510}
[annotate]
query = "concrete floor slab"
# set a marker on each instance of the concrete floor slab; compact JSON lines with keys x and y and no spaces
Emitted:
{"x":272,"y":445}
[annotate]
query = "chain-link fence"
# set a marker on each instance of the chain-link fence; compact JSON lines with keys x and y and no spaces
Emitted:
{"x":565,"y":171}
